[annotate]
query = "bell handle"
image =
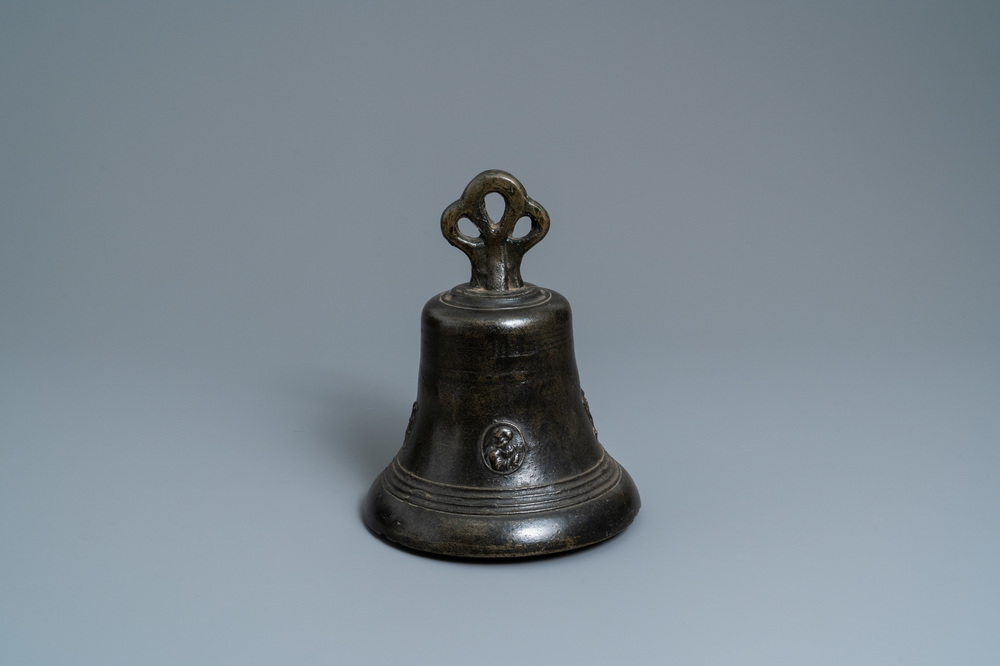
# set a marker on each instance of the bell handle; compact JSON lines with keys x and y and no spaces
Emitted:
{"x":495,"y":253}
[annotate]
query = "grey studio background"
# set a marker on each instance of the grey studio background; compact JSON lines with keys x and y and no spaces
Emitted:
{"x":777,"y":224}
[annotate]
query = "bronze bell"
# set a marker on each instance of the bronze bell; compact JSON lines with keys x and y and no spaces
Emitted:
{"x":500,"y":457}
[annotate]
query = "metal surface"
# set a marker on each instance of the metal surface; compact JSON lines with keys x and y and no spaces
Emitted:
{"x":500,"y":457}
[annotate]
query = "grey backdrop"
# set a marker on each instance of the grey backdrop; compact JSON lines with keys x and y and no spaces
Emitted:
{"x":779,"y":227}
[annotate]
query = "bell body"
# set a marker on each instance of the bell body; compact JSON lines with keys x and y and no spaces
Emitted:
{"x":501,"y":456}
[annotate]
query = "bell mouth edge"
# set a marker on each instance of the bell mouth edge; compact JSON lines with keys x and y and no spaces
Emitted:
{"x":504,"y":535}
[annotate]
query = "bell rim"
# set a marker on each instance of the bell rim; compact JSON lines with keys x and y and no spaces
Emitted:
{"x":503,"y":535}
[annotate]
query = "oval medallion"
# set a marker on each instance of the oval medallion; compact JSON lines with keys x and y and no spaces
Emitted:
{"x":503,"y":447}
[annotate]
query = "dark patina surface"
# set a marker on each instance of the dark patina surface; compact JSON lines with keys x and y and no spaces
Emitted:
{"x":500,"y":457}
